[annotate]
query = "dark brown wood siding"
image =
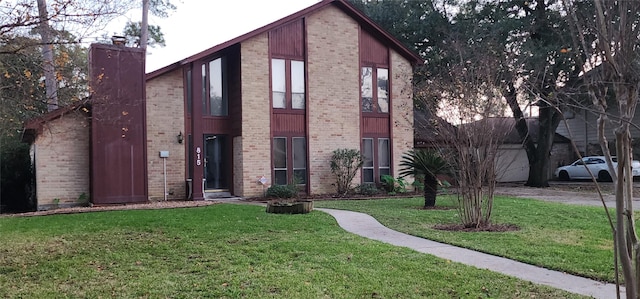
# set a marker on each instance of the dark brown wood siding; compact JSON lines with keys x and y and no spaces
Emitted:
{"x":372,"y":51}
{"x":215,"y":125}
{"x":285,"y":124}
{"x":375,"y":126}
{"x":288,"y":40}
{"x":118,"y":139}
{"x":235,"y":91}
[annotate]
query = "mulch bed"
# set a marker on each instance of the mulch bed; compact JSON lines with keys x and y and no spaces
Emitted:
{"x":502,"y":227}
{"x":436,"y":208}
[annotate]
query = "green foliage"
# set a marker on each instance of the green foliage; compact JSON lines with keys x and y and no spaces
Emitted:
{"x":444,"y":186}
{"x":132,"y":32}
{"x":282,"y":191}
{"x":22,"y":92}
{"x":393,"y":185}
{"x":418,"y":182}
{"x":427,"y":163}
{"x":83,"y":198}
{"x":161,"y":8}
{"x":367,"y":189}
{"x":15,"y":176}
{"x":344,"y":166}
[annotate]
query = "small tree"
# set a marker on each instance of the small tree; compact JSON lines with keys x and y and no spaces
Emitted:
{"x":607,"y":34}
{"x":344,"y":165}
{"x":429,"y":164}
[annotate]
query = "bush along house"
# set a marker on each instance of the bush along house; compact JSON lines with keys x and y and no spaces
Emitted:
{"x":268,"y":107}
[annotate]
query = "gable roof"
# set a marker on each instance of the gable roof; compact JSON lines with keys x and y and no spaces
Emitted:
{"x":346,"y":7}
{"x":33,"y":126}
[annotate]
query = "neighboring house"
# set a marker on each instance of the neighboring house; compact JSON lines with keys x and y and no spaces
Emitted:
{"x":582,"y":127}
{"x":512,"y":164}
{"x":270,"y":106}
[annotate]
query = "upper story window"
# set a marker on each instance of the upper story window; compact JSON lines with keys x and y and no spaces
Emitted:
{"x":189,"y":90}
{"x":214,"y":88}
{"x":374,"y":89}
{"x":288,"y":84}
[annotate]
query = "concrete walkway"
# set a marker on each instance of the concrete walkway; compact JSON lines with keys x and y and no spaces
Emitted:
{"x":366,"y":226}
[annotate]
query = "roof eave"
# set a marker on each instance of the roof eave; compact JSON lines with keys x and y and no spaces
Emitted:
{"x":414,"y":58}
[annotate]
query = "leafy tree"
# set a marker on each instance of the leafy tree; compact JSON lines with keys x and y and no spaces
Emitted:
{"x":428,"y":164}
{"x":132,"y":31}
{"x":526,"y":41}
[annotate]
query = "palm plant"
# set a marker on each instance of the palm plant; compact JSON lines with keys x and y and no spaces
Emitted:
{"x":429,"y":164}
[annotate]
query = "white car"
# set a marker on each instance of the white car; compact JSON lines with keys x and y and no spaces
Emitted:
{"x":597,"y":165}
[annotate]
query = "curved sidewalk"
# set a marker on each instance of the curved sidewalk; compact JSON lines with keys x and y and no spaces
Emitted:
{"x":367,"y":226}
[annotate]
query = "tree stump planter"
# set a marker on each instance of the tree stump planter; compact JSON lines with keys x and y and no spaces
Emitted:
{"x":297,"y":207}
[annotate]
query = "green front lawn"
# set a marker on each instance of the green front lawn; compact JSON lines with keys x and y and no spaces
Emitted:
{"x":227,"y":251}
{"x":569,"y":238}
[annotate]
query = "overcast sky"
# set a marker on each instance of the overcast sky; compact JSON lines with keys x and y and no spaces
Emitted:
{"x":200,"y":24}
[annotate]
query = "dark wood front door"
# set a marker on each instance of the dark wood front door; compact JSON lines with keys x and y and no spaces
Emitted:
{"x":216,"y":164}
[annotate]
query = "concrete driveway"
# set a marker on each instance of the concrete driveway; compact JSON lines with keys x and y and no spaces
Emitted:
{"x":579,"y":193}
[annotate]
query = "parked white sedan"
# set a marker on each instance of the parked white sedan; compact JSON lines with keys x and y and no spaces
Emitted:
{"x":596,"y":164}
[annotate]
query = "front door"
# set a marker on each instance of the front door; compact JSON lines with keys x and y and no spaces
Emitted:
{"x":216,"y":164}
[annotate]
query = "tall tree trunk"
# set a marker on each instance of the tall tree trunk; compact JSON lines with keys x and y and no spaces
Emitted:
{"x":430,"y":191}
{"x":548,"y":121}
{"x":47,"y":57}
{"x":144,"y":27}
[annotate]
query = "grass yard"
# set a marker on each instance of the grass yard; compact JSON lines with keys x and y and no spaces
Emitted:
{"x":569,"y":238}
{"x":228,"y":251}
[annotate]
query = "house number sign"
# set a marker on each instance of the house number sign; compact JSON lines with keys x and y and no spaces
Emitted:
{"x":198,"y":157}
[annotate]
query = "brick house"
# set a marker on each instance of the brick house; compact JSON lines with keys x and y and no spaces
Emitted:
{"x":271,"y":105}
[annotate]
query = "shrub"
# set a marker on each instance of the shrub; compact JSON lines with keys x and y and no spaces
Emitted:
{"x":367,"y":189}
{"x":344,"y":165}
{"x":392,"y":185}
{"x":282,"y":191}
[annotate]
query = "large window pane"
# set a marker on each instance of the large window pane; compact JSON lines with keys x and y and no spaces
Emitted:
{"x":383,"y":90}
{"x":278,"y":83}
{"x":280,"y":177}
{"x":280,"y":152}
{"x":280,"y":160}
{"x":217,"y":96}
{"x":189,"y":91}
{"x":367,"y":152}
{"x":383,"y":152}
{"x":300,"y":160}
{"x":366,"y":89}
{"x":299,"y":153}
{"x":297,"y":84}
{"x":367,"y":155}
{"x":204,"y":89}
